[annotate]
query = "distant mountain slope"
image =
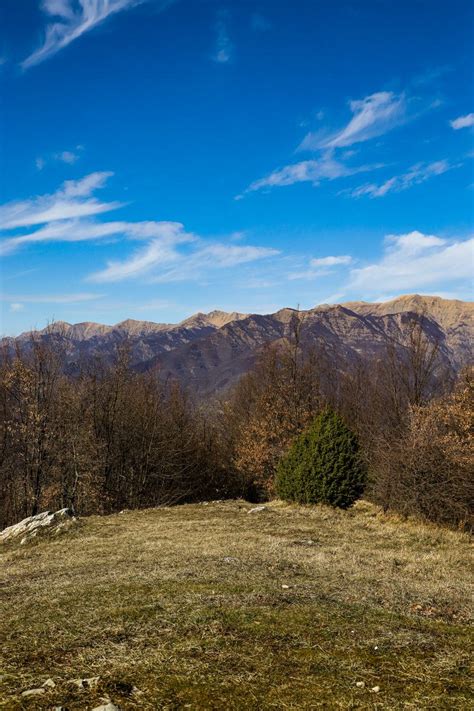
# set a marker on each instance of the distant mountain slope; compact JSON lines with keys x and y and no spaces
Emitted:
{"x":145,"y":338}
{"x":209,"y":352}
{"x":215,"y":362}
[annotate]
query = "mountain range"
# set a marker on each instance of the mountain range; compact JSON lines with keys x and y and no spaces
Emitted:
{"x":209,"y":352}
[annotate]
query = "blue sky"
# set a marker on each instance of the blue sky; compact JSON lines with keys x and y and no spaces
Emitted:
{"x":164,"y":157}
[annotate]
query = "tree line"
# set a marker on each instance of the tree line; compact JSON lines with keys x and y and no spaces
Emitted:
{"x":111,"y":438}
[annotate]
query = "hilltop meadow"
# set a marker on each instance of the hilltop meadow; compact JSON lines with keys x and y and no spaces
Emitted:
{"x":219,"y":606}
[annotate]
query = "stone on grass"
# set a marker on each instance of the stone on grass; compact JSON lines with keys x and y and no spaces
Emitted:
{"x":375,"y":689}
{"x":360,"y":684}
{"x":34,"y":692}
{"x":257,"y":509}
{"x":29,"y":527}
{"x":49,"y":684}
{"x":89,"y":683}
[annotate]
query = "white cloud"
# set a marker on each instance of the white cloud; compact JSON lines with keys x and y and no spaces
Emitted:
{"x":155,"y":253}
{"x":87,"y":185}
{"x":463,"y":122}
{"x":313,"y":171}
{"x":72,"y":200}
{"x":162,"y":258}
{"x":19,"y":300}
{"x":230,"y":255}
{"x":184,"y":265}
{"x":68,"y":157}
{"x":414,"y":261}
{"x":321,"y":267}
{"x":15,"y":307}
{"x":159,"y":250}
{"x":372,"y":116}
{"x":417,"y":174}
{"x":82,"y":230}
{"x":223,"y":53}
{"x":69,"y":19}
{"x":331,"y":261}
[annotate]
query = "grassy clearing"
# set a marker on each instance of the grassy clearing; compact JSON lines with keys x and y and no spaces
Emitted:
{"x":187,"y":604}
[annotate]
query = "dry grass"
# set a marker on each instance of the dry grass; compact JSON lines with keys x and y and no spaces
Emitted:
{"x":187,"y":604}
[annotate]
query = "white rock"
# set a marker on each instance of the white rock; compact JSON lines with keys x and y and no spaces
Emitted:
{"x":375,"y":689}
{"x":89,"y":683}
{"x":34,"y":692}
{"x":257,"y":509}
{"x":285,"y":587}
{"x":49,"y":684}
{"x":360,"y":684}
{"x":29,"y":527}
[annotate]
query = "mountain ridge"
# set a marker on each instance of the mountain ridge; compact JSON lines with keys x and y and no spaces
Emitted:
{"x":209,"y":352}
{"x":219,"y":318}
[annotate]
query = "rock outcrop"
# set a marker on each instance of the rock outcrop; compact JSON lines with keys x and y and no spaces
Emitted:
{"x":32,"y":526}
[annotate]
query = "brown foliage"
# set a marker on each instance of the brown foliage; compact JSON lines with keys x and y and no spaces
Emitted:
{"x":429,"y":471}
{"x":106,"y":440}
{"x":271,"y":406}
{"x":112,"y":438}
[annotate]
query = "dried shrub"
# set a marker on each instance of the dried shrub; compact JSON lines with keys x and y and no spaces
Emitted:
{"x":429,"y":470}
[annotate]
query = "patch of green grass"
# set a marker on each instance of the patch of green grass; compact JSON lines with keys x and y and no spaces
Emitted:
{"x":185,"y":608}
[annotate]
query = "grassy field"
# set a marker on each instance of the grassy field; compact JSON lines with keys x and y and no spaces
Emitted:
{"x":210,"y":607}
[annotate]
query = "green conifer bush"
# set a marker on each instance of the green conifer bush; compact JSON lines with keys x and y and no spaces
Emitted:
{"x":323,"y":465}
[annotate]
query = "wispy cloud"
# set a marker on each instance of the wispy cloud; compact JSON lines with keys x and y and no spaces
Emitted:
{"x":331,"y":261}
{"x":68,"y":157}
{"x":462,"y":122}
{"x":432,"y":75}
{"x":74,"y":199}
{"x":70,"y":19}
{"x":224,"y":48}
{"x":83,"y":230}
{"x":170,"y":253}
{"x":414,"y":261}
{"x":19,"y":300}
{"x":321,"y":266}
{"x":209,"y":257}
{"x":419,"y":173}
{"x":313,"y":171}
{"x":373,"y":116}
{"x":162,"y":261}
{"x":162,"y":249}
